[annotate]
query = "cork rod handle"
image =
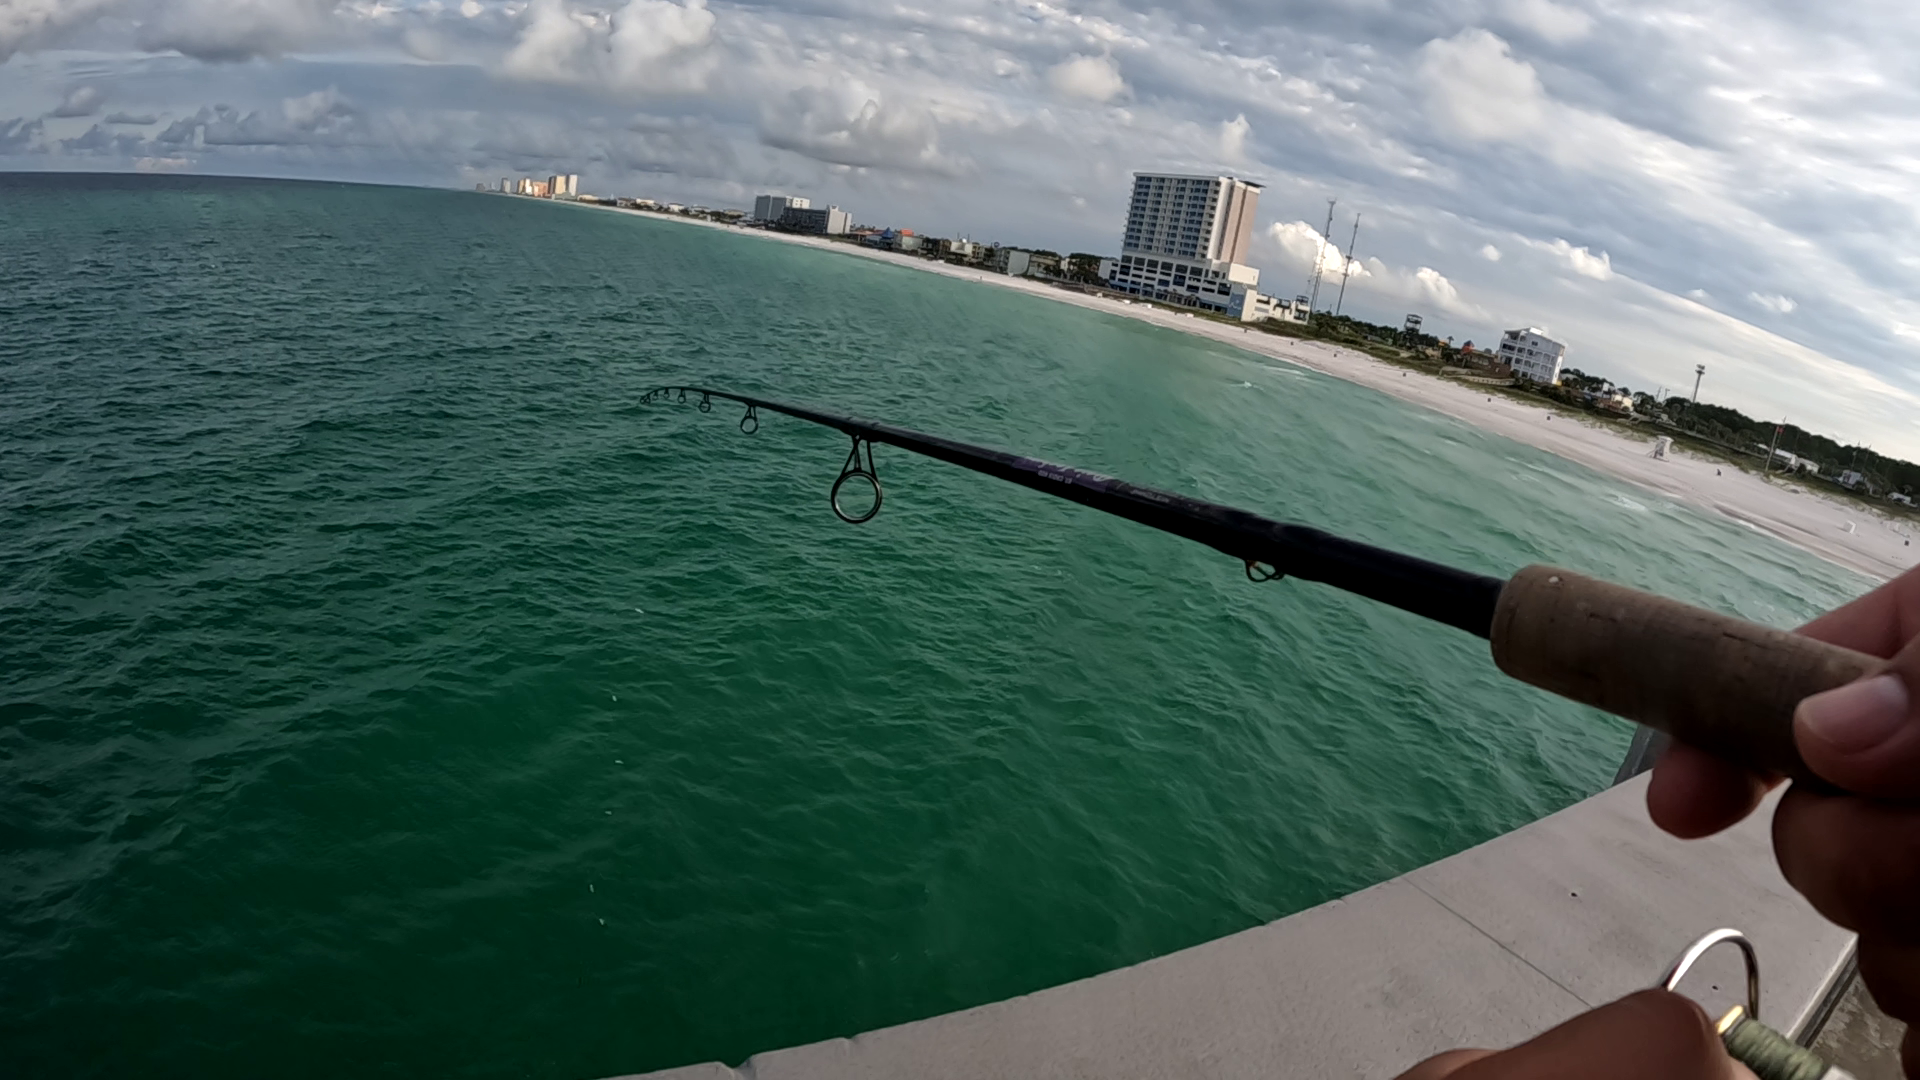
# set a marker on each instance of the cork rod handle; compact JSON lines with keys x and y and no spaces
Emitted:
{"x":1720,"y":683}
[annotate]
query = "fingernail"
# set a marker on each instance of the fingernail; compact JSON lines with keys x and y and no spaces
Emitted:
{"x":1858,"y":716}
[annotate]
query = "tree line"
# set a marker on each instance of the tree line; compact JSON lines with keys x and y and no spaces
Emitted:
{"x":1737,"y":429}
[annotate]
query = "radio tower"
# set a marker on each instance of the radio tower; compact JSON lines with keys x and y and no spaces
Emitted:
{"x":1346,"y":265}
{"x":1320,"y":261}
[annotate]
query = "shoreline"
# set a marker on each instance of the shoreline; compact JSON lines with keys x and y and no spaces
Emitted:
{"x":1855,"y":537}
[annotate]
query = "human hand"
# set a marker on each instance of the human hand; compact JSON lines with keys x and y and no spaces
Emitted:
{"x":1855,"y":855}
{"x":1651,"y":1035}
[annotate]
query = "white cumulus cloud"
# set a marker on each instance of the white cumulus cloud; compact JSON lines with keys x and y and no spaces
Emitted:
{"x":847,"y":122}
{"x":29,"y":24}
{"x":1582,"y":261}
{"x":1300,"y":244}
{"x":1477,"y":90}
{"x":232,"y":30}
{"x":647,"y":45}
{"x":321,"y":118}
{"x":1423,"y":287}
{"x":1774,"y":302}
{"x":80,"y":101}
{"x":1433,"y":285}
{"x":1094,"y":78}
{"x":309,"y":112}
{"x":1557,"y":23}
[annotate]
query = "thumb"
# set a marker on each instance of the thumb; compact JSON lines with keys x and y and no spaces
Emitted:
{"x":1865,"y":736}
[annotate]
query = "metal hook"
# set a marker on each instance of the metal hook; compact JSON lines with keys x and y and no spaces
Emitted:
{"x":1699,"y":948}
{"x":683,"y":395}
{"x":706,"y":404}
{"x":753,"y":418}
{"x":1258,"y":575}
{"x":848,"y":471}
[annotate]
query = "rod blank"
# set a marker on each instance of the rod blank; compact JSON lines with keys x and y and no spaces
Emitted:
{"x":1457,"y":598}
{"x":1720,"y":683}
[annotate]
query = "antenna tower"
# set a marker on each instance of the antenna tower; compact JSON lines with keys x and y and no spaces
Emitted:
{"x":1346,"y":265}
{"x":1320,"y":262}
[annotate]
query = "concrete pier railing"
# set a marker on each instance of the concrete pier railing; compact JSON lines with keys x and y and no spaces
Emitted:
{"x":1485,"y":948}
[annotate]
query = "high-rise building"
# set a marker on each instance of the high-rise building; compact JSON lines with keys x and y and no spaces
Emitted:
{"x":506,"y":185}
{"x":768,"y":208}
{"x":1185,"y":239}
{"x":1191,"y":217}
{"x":830,"y":221}
{"x":573,"y":184}
{"x":526,"y":185}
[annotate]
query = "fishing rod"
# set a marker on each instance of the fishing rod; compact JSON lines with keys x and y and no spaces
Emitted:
{"x":1721,"y":683}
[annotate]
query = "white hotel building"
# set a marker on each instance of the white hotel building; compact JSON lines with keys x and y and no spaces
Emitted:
{"x":1532,"y":355}
{"x":1186,"y":237}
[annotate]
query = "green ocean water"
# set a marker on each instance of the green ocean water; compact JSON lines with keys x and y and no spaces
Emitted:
{"x":384,"y":691}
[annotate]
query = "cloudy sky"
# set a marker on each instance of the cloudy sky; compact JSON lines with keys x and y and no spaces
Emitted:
{"x":1727,"y":182}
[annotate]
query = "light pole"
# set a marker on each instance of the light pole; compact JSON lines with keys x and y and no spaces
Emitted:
{"x":1699,"y":372}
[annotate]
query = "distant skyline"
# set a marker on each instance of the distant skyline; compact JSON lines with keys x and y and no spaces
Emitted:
{"x":1730,"y":185}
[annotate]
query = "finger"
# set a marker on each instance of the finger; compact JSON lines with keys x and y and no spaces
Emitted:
{"x":1865,"y":736}
{"x":1651,"y":1035}
{"x":1891,"y":969}
{"x":1442,"y":1066}
{"x":1878,"y":623}
{"x":1857,"y":862}
{"x":1694,"y":794}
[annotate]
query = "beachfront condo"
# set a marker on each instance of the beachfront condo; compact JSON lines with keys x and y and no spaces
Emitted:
{"x":1185,"y":239}
{"x":1532,"y":355}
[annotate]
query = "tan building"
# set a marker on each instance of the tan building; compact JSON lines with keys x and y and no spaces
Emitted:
{"x":1203,"y":218}
{"x":1185,"y":239}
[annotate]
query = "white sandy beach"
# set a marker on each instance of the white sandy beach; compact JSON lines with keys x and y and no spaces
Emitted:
{"x":1849,"y":534}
